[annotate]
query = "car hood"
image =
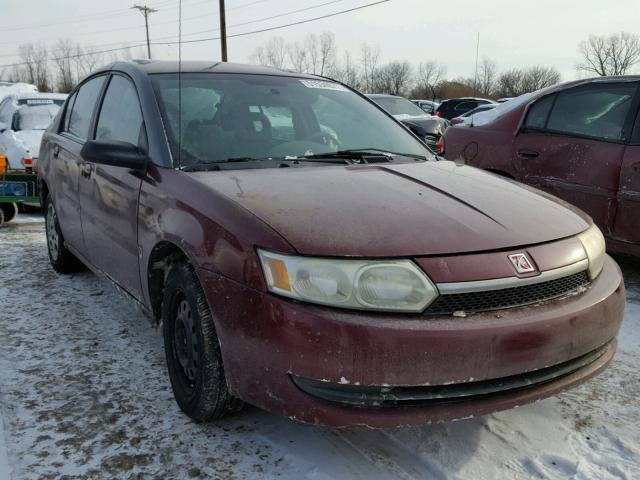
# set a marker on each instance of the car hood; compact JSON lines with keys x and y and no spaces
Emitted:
{"x":30,"y":139}
{"x":429,"y":123}
{"x":426,"y":208}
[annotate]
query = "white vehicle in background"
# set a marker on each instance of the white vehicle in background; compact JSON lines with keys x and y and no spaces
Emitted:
{"x":23,"y":120}
{"x":15,"y":88}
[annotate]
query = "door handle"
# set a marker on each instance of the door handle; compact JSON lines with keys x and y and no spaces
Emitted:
{"x":526,"y":154}
{"x":56,"y":151}
{"x":636,"y":167}
{"x":86,"y":170}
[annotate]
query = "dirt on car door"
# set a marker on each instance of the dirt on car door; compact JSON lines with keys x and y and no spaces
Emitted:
{"x":583,"y":172}
{"x":572,"y":144}
{"x":627,"y":222}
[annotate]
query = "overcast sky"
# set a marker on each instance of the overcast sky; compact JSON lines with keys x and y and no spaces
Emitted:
{"x":512,"y":33}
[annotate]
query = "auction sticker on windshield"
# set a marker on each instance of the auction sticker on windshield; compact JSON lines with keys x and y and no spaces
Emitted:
{"x":324,"y":85}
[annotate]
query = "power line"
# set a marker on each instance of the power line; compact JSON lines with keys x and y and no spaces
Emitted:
{"x":280,"y":26}
{"x":211,"y":30}
{"x":300,"y":22}
{"x":258,"y":20}
{"x":100,"y":17}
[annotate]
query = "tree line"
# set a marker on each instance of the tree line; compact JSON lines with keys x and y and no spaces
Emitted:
{"x":615,"y":54}
{"x":61,"y":66}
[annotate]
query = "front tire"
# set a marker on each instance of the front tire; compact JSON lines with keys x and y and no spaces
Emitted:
{"x":192,"y":349}
{"x":62,"y":260}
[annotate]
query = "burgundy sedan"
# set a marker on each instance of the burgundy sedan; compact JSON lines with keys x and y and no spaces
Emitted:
{"x":303,"y":252}
{"x":579,"y":141}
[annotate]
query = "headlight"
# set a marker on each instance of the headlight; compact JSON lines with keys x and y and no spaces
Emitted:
{"x":391,"y":285}
{"x":595,"y":246}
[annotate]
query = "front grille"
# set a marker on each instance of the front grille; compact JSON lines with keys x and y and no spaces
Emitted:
{"x":507,"y":297}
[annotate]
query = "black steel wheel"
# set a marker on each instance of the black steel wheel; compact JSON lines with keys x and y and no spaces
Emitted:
{"x":62,"y":260}
{"x":192,"y":350}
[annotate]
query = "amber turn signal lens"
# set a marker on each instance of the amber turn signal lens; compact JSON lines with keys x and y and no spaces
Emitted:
{"x":3,"y":164}
{"x":279,"y":274}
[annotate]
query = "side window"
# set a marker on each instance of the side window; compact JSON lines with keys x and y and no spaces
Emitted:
{"x":466,"y":106}
{"x":67,"y":113}
{"x":83,"y":107}
{"x":598,"y":111}
{"x":539,"y":112}
{"x":120,"y":116}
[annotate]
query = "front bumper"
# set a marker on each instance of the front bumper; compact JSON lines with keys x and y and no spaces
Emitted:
{"x":268,"y":341}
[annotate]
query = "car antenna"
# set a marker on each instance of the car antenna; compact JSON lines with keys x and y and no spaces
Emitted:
{"x":180,"y":84}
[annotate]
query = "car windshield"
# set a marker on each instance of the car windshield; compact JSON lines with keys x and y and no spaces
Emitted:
{"x":35,"y":118}
{"x":398,"y":106}
{"x":255,"y":117}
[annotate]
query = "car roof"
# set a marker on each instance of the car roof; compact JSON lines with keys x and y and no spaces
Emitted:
{"x":193,"y":66}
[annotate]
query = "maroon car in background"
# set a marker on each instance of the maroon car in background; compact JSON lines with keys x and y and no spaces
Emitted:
{"x":579,"y":141}
{"x":305,"y":253}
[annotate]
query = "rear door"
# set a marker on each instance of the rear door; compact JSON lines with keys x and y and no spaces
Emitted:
{"x":572,"y":144}
{"x":627,"y":221}
{"x":109,"y":194}
{"x":66,"y":161}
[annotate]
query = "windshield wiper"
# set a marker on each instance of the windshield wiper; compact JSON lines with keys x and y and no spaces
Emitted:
{"x":367,"y":155}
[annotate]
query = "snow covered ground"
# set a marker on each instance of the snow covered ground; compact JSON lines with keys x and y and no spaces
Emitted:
{"x":84,"y":394}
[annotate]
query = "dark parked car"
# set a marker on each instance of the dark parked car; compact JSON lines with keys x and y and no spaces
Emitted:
{"x":304,"y":253}
{"x":457,"y":106}
{"x":428,"y":128}
{"x":579,"y":141}
{"x":466,"y":117}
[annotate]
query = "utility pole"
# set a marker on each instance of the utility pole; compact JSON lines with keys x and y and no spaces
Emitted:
{"x":145,"y":10}
{"x":223,"y":32}
{"x":475,"y":77}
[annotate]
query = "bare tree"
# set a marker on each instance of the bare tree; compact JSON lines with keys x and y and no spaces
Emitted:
{"x":487,"y":77}
{"x":518,"y":81}
{"x":298,"y":57}
{"x":429,"y":75}
{"x":347,"y":72}
{"x":326,"y":52}
{"x":609,"y":55}
{"x":35,"y":68}
{"x":539,"y":77}
{"x":88,"y":59}
{"x":394,"y":78}
{"x":66,"y":77}
{"x":370,"y":59}
{"x":313,"y":52}
{"x":273,"y":53}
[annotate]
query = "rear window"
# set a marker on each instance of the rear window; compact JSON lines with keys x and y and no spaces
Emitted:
{"x":35,"y":118}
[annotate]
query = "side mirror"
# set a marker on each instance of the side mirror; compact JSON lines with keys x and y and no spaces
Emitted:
{"x":117,"y":154}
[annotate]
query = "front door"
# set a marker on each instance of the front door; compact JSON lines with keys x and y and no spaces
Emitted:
{"x":109,"y":194}
{"x":572,"y":144}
